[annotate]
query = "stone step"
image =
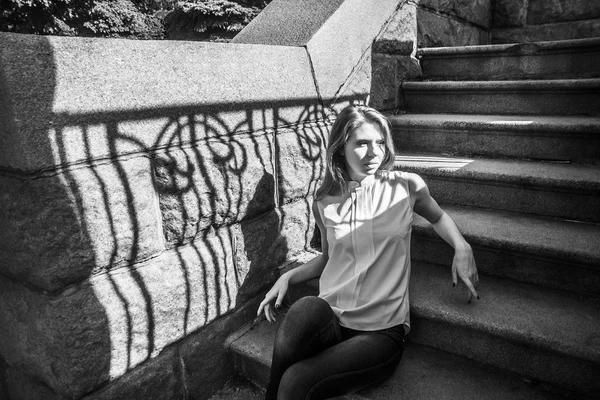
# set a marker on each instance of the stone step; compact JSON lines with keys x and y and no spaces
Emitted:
{"x":568,"y":138}
{"x":538,"y":333}
{"x":522,"y":97}
{"x":567,"y":191}
{"x":424,"y":373}
{"x":547,"y":252}
{"x":579,"y":58}
{"x":515,"y":327}
{"x":586,"y":28}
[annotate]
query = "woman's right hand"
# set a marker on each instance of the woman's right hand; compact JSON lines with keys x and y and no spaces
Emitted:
{"x":277,"y":292}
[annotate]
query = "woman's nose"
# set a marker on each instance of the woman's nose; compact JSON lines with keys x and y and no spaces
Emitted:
{"x":373,"y":150}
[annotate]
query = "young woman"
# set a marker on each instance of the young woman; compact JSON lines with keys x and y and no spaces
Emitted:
{"x":352,"y":334}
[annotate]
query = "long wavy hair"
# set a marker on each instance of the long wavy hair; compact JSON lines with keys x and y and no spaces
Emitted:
{"x":349,"y":119}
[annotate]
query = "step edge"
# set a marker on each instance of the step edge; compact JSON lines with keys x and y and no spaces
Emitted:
{"x":584,"y":126}
{"x":581,"y":185}
{"x":528,"y":85}
{"x":529,"y":48}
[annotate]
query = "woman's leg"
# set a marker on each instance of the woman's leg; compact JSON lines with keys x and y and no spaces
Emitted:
{"x":348,"y":366}
{"x":308,"y":327}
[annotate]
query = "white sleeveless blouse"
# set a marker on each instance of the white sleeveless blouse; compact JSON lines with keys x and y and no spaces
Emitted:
{"x":368,"y":231}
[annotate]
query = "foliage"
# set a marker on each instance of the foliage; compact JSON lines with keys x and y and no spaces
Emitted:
{"x":48,"y":17}
{"x":121,"y":18}
{"x":128,"y":18}
{"x":211,"y":16}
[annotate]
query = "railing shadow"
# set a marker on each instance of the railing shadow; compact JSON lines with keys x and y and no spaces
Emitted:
{"x":131,"y":240}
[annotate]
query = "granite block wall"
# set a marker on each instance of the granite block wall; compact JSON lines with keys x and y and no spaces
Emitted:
{"x":420,"y":24}
{"x":544,"y":20}
{"x":149,"y":191}
{"x":144,"y":209}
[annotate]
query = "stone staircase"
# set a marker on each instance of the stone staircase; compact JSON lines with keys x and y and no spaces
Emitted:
{"x":508,"y":139}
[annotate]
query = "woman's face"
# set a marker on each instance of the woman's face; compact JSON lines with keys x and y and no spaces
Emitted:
{"x":364,"y":151}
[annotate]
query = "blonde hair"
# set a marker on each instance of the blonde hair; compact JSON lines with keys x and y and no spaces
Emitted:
{"x":349,"y":119}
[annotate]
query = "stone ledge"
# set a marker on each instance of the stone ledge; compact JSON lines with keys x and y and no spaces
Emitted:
{"x":67,"y":100}
{"x":337,"y":41}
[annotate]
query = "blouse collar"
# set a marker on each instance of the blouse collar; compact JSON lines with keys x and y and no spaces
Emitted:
{"x":366,"y":182}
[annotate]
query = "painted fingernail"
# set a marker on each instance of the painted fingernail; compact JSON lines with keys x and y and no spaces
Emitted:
{"x":453,"y":284}
{"x":477,"y":297}
{"x":469,"y":301}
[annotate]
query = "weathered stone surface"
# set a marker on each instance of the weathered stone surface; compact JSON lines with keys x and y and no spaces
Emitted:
{"x":153,"y":305}
{"x":288,"y":22}
{"x":300,"y":160}
{"x":438,"y":31}
{"x":159,"y":378}
{"x":60,"y":228}
{"x":409,"y":68}
{"x":474,"y":11}
{"x":357,"y":88}
{"x":3,"y":379}
{"x":65,"y":100}
{"x":509,"y":13}
{"x":266,"y":242}
{"x":21,"y":386}
{"x":205,"y":360}
{"x":100,"y":330}
{"x":384,"y":84}
{"x":337,"y":39}
{"x":548,"y":11}
{"x":298,"y":225}
{"x":548,"y":32}
{"x":62,"y":342}
{"x":392,"y":47}
{"x":339,"y":47}
{"x":388,"y":72}
{"x":402,"y":29}
{"x":218,"y":182}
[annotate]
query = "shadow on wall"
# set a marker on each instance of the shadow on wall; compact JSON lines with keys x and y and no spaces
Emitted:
{"x":109,"y":259}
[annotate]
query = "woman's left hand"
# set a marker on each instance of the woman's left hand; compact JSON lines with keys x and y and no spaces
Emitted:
{"x":463,"y":266}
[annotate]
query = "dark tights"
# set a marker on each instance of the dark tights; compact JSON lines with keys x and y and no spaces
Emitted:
{"x":316,"y":358}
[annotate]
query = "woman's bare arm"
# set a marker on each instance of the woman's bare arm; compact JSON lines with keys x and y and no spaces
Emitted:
{"x":463,"y":264}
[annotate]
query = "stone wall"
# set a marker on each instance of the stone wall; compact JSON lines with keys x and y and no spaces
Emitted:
{"x":538,"y":20}
{"x":421,"y":24}
{"x":147,"y":189}
{"x":148,"y":193}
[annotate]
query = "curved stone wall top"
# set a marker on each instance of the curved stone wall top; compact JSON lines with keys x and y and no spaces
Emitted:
{"x":68,"y":100}
{"x":338,"y":39}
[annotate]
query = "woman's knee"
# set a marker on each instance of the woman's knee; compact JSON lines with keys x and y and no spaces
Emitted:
{"x":309,"y":308}
{"x":307,"y":319}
